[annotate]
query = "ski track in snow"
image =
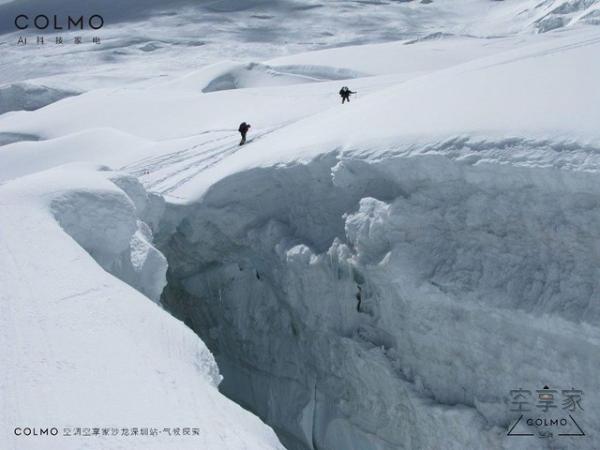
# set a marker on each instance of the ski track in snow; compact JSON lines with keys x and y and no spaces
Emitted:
{"x":167,"y":172}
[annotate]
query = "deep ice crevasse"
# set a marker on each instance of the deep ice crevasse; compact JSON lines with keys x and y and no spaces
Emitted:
{"x":475,"y":278}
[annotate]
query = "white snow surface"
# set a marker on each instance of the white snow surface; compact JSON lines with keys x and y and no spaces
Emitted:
{"x":456,"y":195}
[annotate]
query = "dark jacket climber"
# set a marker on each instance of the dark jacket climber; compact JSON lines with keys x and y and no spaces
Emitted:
{"x":243,"y":129}
{"x":345,"y":93}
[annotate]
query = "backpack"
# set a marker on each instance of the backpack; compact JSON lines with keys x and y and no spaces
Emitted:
{"x":243,"y":126}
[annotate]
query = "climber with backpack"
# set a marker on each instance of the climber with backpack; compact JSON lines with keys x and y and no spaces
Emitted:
{"x":345,"y":94}
{"x":243,"y":129}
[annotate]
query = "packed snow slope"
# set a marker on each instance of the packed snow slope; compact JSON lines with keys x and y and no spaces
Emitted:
{"x":80,"y":348}
{"x":376,"y":275}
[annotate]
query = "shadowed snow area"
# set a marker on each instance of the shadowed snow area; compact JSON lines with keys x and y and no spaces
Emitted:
{"x":10,"y":138}
{"x":376,"y":275}
{"x":29,"y":97}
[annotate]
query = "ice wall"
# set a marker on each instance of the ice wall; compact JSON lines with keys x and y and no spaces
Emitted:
{"x":388,"y":303}
{"x":116,"y":230}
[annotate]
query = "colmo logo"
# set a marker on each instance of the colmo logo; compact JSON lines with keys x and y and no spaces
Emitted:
{"x":44,"y":22}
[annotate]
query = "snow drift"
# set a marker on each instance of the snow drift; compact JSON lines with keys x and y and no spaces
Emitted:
{"x":229,"y":75}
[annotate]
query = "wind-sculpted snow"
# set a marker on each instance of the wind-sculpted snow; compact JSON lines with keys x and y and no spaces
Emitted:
{"x":394,"y":303}
{"x":230,"y":75}
{"x":252,"y":75}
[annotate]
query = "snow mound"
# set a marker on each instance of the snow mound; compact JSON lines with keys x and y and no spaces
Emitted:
{"x":229,"y":75}
{"x":29,"y":97}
